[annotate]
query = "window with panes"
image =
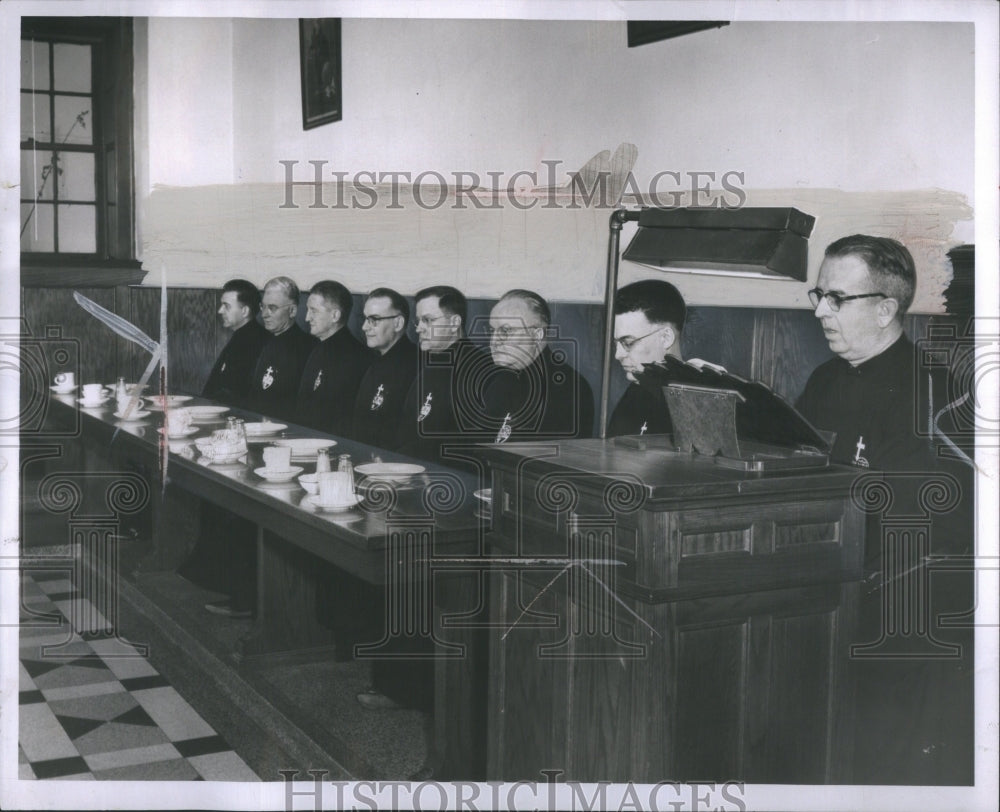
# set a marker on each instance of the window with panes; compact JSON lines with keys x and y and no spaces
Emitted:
{"x":76,"y":141}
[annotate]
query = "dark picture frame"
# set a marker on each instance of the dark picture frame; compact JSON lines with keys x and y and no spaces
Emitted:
{"x":319,"y":63}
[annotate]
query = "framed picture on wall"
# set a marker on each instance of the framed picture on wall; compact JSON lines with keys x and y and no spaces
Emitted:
{"x":319,"y":61}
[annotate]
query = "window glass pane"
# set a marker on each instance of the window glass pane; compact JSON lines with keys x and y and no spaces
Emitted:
{"x":35,"y":175}
{"x":70,"y":130}
{"x":71,"y":66}
{"x":35,"y":117}
{"x":37,"y":235}
{"x":76,"y":182}
{"x":34,"y":64}
{"x":77,"y":229}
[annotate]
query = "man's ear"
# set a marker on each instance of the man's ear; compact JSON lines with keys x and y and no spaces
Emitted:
{"x":885,"y":311}
{"x":668,"y":337}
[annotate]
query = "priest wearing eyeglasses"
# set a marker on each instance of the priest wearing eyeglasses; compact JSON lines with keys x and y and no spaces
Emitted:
{"x":534,"y":392}
{"x":867,"y":393}
{"x":649,"y":318}
{"x":378,"y":408}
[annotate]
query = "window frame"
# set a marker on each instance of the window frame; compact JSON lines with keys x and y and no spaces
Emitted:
{"x":114,"y":262}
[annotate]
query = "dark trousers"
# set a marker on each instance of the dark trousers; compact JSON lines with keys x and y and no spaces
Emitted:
{"x":224,"y":558}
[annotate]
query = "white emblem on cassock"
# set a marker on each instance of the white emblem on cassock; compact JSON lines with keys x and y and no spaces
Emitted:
{"x":504,"y":432}
{"x":268,"y":378}
{"x":643,"y":427}
{"x":378,"y":400}
{"x":426,"y":408}
{"x":858,"y":459}
{"x":319,"y":377}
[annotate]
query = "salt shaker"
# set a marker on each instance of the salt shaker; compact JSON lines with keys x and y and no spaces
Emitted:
{"x":121,"y":395}
{"x":322,"y":461}
{"x":345,"y":466}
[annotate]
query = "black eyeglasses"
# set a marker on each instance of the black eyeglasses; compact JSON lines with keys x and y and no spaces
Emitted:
{"x":835,"y":300}
{"x":629,"y":342}
{"x":377,"y":319}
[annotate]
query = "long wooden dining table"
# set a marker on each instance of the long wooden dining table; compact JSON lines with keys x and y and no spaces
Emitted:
{"x":401,"y":538}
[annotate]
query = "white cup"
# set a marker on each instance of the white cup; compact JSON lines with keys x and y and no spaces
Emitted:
{"x":178,"y":421}
{"x":277,"y":458}
{"x":65,"y":380}
{"x":93,"y":392}
{"x":336,"y":487}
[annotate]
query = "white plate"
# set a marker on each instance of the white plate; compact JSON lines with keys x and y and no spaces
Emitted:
{"x":328,"y":507}
{"x":229,"y":459}
{"x":63,"y":390}
{"x":263,"y":429}
{"x":207,"y":413}
{"x":484,"y":495}
{"x":278,"y":476}
{"x":130,"y":386}
{"x":390,"y":471}
{"x":176,"y":434}
{"x":304,"y":448}
{"x":155,"y":402}
{"x":135,"y":415}
{"x":92,"y":404}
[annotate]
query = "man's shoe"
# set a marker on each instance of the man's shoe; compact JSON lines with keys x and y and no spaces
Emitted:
{"x":226,"y":609}
{"x":373,"y":700}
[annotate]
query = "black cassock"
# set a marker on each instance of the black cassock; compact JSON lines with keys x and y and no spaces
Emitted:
{"x":444,"y":406}
{"x":548,"y":400}
{"x":378,"y":408}
{"x":330,"y":383}
{"x":274,"y":384}
{"x":230,"y":378}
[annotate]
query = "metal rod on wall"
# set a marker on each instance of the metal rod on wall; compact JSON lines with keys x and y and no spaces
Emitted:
{"x":618,"y":218}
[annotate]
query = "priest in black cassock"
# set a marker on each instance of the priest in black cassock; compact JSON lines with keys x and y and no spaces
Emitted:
{"x":229,"y":380}
{"x":649,"y":319}
{"x":274,"y":383}
{"x":443,"y":402}
{"x":335,"y":367}
{"x":534,"y":392}
{"x":378,"y":407}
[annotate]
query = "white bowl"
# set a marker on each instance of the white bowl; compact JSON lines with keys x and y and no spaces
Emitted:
{"x":272,"y":475}
{"x":225,"y":459}
{"x":334,"y":507}
{"x":91,"y":404}
{"x":310,"y":482}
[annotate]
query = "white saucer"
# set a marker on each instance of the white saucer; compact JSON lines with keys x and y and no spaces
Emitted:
{"x":63,"y":390}
{"x":155,"y":403}
{"x":176,"y":434}
{"x":328,"y":507}
{"x":207,"y":413}
{"x":136,"y":415}
{"x":390,"y":471}
{"x":272,"y":475}
{"x":230,"y":460}
{"x":263,"y":429}
{"x":92,"y":404}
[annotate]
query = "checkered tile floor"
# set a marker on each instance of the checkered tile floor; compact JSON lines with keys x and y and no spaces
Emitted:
{"x":92,"y":707}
